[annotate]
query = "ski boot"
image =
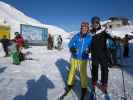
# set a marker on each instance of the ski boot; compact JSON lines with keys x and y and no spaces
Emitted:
{"x":84,"y":92}
{"x":103,"y":87}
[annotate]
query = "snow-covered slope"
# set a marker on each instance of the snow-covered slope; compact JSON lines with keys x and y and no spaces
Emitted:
{"x":44,"y":78}
{"x":13,"y":14}
{"x":122,"y":31}
{"x":13,"y":17}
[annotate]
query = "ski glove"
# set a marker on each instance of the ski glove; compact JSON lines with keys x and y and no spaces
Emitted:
{"x":73,"y":50}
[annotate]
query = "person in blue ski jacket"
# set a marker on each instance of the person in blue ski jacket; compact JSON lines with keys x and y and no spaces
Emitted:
{"x":79,"y":47}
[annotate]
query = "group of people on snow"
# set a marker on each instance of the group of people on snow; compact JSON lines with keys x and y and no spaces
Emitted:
{"x":54,"y":42}
{"x":13,"y":47}
{"x":102,"y":47}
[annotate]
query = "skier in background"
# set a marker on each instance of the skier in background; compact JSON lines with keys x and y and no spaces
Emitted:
{"x":50,"y":42}
{"x":14,"y":53}
{"x":19,"y":40}
{"x":20,"y":45}
{"x":59,"y":39}
{"x":79,"y":47}
{"x":126,"y":45}
{"x":5,"y":43}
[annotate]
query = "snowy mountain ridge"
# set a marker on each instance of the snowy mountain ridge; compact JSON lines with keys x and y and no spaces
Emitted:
{"x":13,"y":17}
{"x":16,"y":15}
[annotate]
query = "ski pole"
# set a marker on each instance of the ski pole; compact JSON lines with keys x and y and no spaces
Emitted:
{"x":124,"y":97}
{"x":92,"y":88}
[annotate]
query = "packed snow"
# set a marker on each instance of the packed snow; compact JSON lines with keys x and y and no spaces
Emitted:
{"x":44,"y":77}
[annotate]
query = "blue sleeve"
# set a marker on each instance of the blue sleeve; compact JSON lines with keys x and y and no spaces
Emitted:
{"x":72,"y":42}
{"x":90,"y":41}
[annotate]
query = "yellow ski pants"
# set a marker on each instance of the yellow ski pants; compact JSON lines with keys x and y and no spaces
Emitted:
{"x":76,"y":65}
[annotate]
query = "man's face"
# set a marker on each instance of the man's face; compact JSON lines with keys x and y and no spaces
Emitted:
{"x":84,"y":29}
{"x":96,"y":25}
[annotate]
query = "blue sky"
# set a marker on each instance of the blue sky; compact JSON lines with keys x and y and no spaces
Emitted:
{"x":68,"y":14}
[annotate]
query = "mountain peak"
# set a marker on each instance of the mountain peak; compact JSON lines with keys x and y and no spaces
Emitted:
{"x":14,"y":18}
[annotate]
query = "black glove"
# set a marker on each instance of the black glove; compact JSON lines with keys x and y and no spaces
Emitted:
{"x":73,"y":50}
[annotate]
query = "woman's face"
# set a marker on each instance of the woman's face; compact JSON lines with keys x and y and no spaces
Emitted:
{"x":84,"y":29}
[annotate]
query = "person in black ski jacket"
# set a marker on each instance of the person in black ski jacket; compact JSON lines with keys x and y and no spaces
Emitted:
{"x":99,"y":54}
{"x":5,"y":43}
{"x":126,"y":45}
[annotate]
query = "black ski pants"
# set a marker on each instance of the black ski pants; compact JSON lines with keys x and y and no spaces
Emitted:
{"x":102,"y":61}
